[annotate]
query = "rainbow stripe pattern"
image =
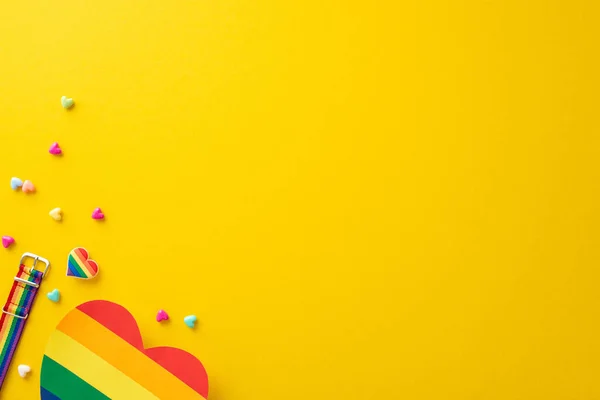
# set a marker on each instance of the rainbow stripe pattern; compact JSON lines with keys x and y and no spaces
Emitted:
{"x":80,"y":266}
{"x":20,"y":300}
{"x":96,"y":353}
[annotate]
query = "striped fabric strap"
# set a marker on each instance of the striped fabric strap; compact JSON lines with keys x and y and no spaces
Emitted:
{"x":18,"y":304}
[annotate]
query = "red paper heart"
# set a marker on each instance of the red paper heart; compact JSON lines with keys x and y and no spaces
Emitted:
{"x":115,"y":318}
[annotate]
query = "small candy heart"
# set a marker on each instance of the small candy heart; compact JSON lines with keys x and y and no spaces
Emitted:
{"x":15,"y":183}
{"x":55,"y":149}
{"x":56,"y":214}
{"x":28,"y":187}
{"x":97,"y":214}
{"x":23,"y":370}
{"x":7,"y":241}
{"x":162,"y":316}
{"x":190,"y":320}
{"x":66,"y":102}
{"x":54,"y":295}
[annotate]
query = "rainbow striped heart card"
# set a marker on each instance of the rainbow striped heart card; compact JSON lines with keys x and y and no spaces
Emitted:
{"x":79,"y":264}
{"x":97,"y":353}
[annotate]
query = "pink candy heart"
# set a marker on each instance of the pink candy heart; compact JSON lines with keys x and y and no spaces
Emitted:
{"x":98,"y":214}
{"x":7,"y":241}
{"x":162,"y":316}
{"x":28,"y":187}
{"x":55,"y":149}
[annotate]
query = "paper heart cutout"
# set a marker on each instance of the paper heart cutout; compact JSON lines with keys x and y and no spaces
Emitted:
{"x":28,"y":187}
{"x":97,"y":352}
{"x":23,"y":370}
{"x":7,"y":241}
{"x":55,"y":149}
{"x":15,"y":183}
{"x":79,"y":264}
{"x":66,"y":102}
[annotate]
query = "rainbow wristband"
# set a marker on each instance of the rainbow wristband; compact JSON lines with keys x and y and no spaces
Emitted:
{"x":17,"y":309}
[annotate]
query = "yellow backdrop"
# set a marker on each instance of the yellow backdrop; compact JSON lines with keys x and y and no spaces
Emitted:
{"x":359,"y":200}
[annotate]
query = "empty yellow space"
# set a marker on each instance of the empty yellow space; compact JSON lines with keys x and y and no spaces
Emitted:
{"x":359,"y":200}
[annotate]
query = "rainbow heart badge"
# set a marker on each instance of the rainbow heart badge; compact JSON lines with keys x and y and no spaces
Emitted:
{"x":79,"y":264}
{"x":97,"y":353}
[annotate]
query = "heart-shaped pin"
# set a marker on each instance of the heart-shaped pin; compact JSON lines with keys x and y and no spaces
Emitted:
{"x":28,"y":187}
{"x":97,"y":352}
{"x":66,"y":102}
{"x":190,"y":320}
{"x":80,"y":266}
{"x":161,"y":315}
{"x":54,"y":295}
{"x":55,"y":149}
{"x":56,"y":214}
{"x":97,"y":214}
{"x":7,"y":241}
{"x":15,"y":183}
{"x":23,"y":370}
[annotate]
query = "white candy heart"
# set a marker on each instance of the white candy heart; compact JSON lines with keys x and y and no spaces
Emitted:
{"x":24,"y":370}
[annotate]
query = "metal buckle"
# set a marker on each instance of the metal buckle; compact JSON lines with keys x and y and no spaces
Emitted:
{"x":35,"y":260}
{"x":23,"y":281}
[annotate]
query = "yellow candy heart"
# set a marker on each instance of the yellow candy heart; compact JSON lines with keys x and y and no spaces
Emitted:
{"x":56,"y":214}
